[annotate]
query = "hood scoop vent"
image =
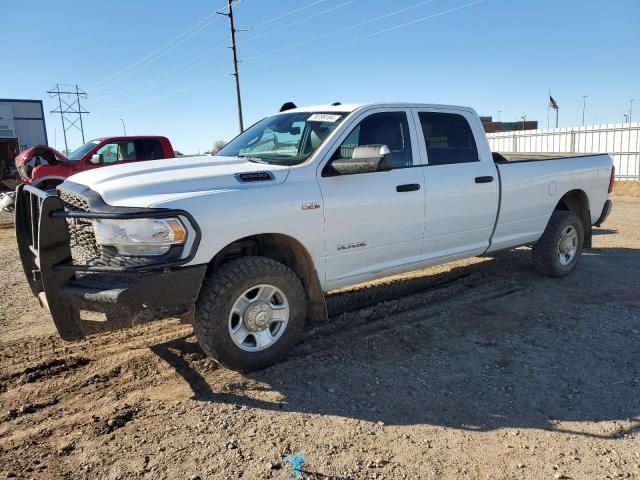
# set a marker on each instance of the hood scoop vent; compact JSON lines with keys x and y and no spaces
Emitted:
{"x":251,"y":177}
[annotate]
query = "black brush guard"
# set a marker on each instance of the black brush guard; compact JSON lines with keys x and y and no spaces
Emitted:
{"x":125,"y":295}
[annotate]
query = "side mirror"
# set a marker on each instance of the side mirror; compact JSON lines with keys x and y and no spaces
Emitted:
{"x":365,"y":159}
{"x":96,"y":159}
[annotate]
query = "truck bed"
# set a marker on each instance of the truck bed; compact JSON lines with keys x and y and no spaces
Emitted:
{"x":511,"y":157}
{"x":531,"y":186}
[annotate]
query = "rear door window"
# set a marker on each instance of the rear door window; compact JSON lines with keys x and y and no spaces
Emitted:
{"x":149,"y":149}
{"x":448,"y":138}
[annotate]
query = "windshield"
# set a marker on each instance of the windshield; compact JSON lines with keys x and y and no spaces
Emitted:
{"x":285,"y":139}
{"x":80,"y":152}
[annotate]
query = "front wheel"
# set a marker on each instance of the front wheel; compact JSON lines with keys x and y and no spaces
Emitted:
{"x":250,"y":313}
{"x":557,"y":252}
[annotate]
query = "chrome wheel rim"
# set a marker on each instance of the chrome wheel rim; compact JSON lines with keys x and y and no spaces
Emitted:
{"x":568,"y":245}
{"x":258,"y":318}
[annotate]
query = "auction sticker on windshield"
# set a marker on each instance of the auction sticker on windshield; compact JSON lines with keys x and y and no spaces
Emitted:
{"x":323,"y":117}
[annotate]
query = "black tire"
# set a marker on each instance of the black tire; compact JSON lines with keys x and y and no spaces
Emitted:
{"x":546,"y":258}
{"x":220,"y":292}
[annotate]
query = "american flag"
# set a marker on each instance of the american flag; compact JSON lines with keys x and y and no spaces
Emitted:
{"x":552,"y":103}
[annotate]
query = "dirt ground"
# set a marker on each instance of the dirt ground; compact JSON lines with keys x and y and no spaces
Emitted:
{"x":477,"y":369}
{"x":628,"y":188}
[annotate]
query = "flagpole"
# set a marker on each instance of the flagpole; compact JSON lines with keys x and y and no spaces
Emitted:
{"x":548,"y":107}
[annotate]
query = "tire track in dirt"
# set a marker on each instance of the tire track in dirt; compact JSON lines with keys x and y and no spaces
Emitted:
{"x":105,"y":381}
{"x":121,"y":366}
{"x":401,"y":313}
{"x":42,"y":371}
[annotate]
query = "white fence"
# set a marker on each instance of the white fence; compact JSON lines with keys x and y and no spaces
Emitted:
{"x":620,"y":140}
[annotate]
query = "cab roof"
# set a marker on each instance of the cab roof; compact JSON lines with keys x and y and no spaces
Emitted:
{"x":351,"y":107}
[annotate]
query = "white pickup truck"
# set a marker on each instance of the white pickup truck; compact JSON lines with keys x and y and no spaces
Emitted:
{"x":308,"y":200}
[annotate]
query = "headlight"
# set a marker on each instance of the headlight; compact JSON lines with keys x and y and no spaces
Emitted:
{"x":141,"y":236}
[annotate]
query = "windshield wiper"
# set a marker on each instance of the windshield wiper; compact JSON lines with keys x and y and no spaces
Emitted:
{"x":249,"y":158}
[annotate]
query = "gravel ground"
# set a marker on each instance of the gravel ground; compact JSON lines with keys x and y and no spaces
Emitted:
{"x":476,"y":369}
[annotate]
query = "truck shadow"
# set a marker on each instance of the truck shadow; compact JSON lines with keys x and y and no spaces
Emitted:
{"x":604,"y":231}
{"x":546,"y":351}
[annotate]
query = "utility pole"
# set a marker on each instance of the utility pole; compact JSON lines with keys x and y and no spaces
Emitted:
{"x":524,"y":118}
{"x":630,"y":109}
{"x":71,"y":112}
{"x":235,"y":59}
{"x":584,"y":107}
{"x":499,"y":112}
{"x":124,"y":128}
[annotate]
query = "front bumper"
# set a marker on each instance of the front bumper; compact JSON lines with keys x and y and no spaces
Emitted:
{"x":122,"y":295}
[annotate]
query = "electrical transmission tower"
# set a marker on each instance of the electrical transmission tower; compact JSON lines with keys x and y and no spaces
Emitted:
{"x":69,"y":108}
{"x":235,"y":58}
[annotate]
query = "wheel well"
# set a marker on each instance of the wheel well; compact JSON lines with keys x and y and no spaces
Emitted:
{"x":48,"y":182}
{"x":286,"y":250}
{"x":576,"y":201}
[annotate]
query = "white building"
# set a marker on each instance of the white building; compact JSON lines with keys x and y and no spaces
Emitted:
{"x":21,"y":126}
{"x":23,"y":120}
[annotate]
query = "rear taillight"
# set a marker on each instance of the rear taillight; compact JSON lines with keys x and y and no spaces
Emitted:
{"x":612,"y":179}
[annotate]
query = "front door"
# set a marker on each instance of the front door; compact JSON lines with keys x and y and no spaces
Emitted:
{"x":374,"y":221}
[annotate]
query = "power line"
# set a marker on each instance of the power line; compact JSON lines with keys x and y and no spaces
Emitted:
{"x":156,"y":57}
{"x":197,"y":59}
{"x":176,"y":92}
{"x":351,"y":40}
{"x":159,"y":52}
{"x":287,"y":14}
{"x":298,"y":21}
{"x":203,"y":55}
{"x":342,"y":30}
{"x":368,"y":35}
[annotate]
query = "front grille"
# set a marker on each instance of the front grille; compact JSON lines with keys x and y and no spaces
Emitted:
{"x":84,"y":247}
{"x":73,"y":202}
{"x":22,"y":171}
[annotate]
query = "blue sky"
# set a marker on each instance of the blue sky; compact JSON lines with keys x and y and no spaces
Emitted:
{"x":492,"y":55}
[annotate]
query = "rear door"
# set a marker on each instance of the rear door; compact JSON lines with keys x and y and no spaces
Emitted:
{"x":374,"y":221}
{"x":149,"y":149}
{"x":461,"y":184}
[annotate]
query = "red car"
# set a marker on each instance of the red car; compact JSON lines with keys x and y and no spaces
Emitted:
{"x":45,"y":167}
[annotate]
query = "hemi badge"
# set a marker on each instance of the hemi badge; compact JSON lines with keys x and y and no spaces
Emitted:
{"x":310,"y":205}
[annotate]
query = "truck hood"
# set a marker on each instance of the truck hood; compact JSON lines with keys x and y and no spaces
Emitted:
{"x":144,"y":184}
{"x":37,"y":156}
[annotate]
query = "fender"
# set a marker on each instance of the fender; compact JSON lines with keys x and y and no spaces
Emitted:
{"x":42,"y":173}
{"x":39,"y":181}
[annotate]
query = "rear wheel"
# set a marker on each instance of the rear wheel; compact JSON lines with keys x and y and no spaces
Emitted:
{"x":558,"y":251}
{"x":250,"y":313}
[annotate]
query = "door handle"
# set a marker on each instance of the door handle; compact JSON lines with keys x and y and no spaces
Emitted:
{"x":487,"y":179}
{"x":408,"y":187}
